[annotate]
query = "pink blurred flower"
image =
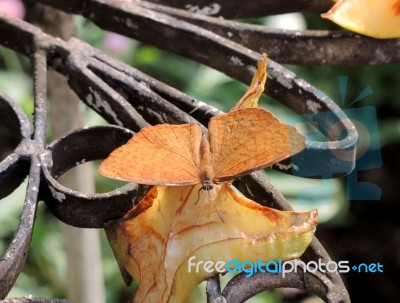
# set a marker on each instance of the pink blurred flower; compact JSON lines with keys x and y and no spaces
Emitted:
{"x":116,"y":43}
{"x":12,"y":8}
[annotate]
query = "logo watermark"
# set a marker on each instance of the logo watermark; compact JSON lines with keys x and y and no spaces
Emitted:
{"x":280,"y":267}
{"x":368,"y":147}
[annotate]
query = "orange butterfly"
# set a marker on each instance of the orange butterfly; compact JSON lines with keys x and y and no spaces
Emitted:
{"x":235,"y":144}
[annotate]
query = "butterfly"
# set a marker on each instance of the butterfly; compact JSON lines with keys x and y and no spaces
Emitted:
{"x":236,"y":144}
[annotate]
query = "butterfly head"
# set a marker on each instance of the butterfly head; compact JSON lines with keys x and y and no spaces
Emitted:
{"x":207,"y":186}
{"x":206,"y":181}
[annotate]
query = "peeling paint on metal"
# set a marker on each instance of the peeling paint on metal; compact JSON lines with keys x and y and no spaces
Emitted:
{"x":313,"y":106}
{"x":94,"y":100}
{"x":199,"y":104}
{"x":212,"y":9}
{"x":251,"y":68}
{"x":80,"y":162}
{"x":287,"y":167}
{"x":57,"y":195}
{"x":236,"y":60}
{"x":283,"y":78}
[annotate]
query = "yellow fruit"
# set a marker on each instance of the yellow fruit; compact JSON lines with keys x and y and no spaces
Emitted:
{"x":377,"y":19}
{"x":159,"y":241}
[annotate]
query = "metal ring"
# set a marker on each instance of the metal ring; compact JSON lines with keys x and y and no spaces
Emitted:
{"x":14,"y":168}
{"x":77,"y":208}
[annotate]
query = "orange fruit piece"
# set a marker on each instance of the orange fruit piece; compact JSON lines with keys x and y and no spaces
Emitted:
{"x":256,"y":88}
{"x":377,"y":19}
{"x":154,"y":242}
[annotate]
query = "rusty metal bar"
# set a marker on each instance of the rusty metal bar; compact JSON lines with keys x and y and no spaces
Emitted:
{"x":224,"y":8}
{"x":239,"y":289}
{"x":213,"y":290}
{"x":295,"y":46}
{"x":14,"y":258}
{"x":15,"y":166}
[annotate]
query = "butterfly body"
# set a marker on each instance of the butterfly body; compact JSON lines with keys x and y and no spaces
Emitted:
{"x":206,"y":173}
{"x":235,"y":144}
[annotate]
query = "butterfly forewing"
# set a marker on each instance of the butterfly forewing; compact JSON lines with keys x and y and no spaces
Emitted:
{"x":249,"y":139}
{"x":164,"y":154}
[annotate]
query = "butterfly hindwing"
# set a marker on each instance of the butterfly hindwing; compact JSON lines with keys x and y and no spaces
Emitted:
{"x":163,"y":154}
{"x":249,"y":139}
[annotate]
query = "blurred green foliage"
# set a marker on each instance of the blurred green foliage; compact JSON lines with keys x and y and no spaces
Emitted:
{"x":44,"y":273}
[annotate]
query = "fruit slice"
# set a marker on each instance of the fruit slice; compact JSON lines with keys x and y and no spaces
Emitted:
{"x":377,"y":19}
{"x":165,"y":242}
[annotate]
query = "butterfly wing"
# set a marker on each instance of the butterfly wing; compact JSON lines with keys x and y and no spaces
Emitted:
{"x":249,"y":139}
{"x":164,"y":154}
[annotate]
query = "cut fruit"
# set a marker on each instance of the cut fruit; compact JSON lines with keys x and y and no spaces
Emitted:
{"x":377,"y":19}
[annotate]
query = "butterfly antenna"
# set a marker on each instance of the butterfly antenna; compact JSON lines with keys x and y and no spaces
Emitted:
{"x":209,"y":199}
{"x":198,"y":195}
{"x":215,"y":206}
{"x":202,"y":209}
{"x":200,"y":215}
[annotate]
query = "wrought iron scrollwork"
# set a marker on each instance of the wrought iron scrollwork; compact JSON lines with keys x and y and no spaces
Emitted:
{"x":129,"y":100}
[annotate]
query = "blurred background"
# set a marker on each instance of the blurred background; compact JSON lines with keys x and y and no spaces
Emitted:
{"x":355,"y":227}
